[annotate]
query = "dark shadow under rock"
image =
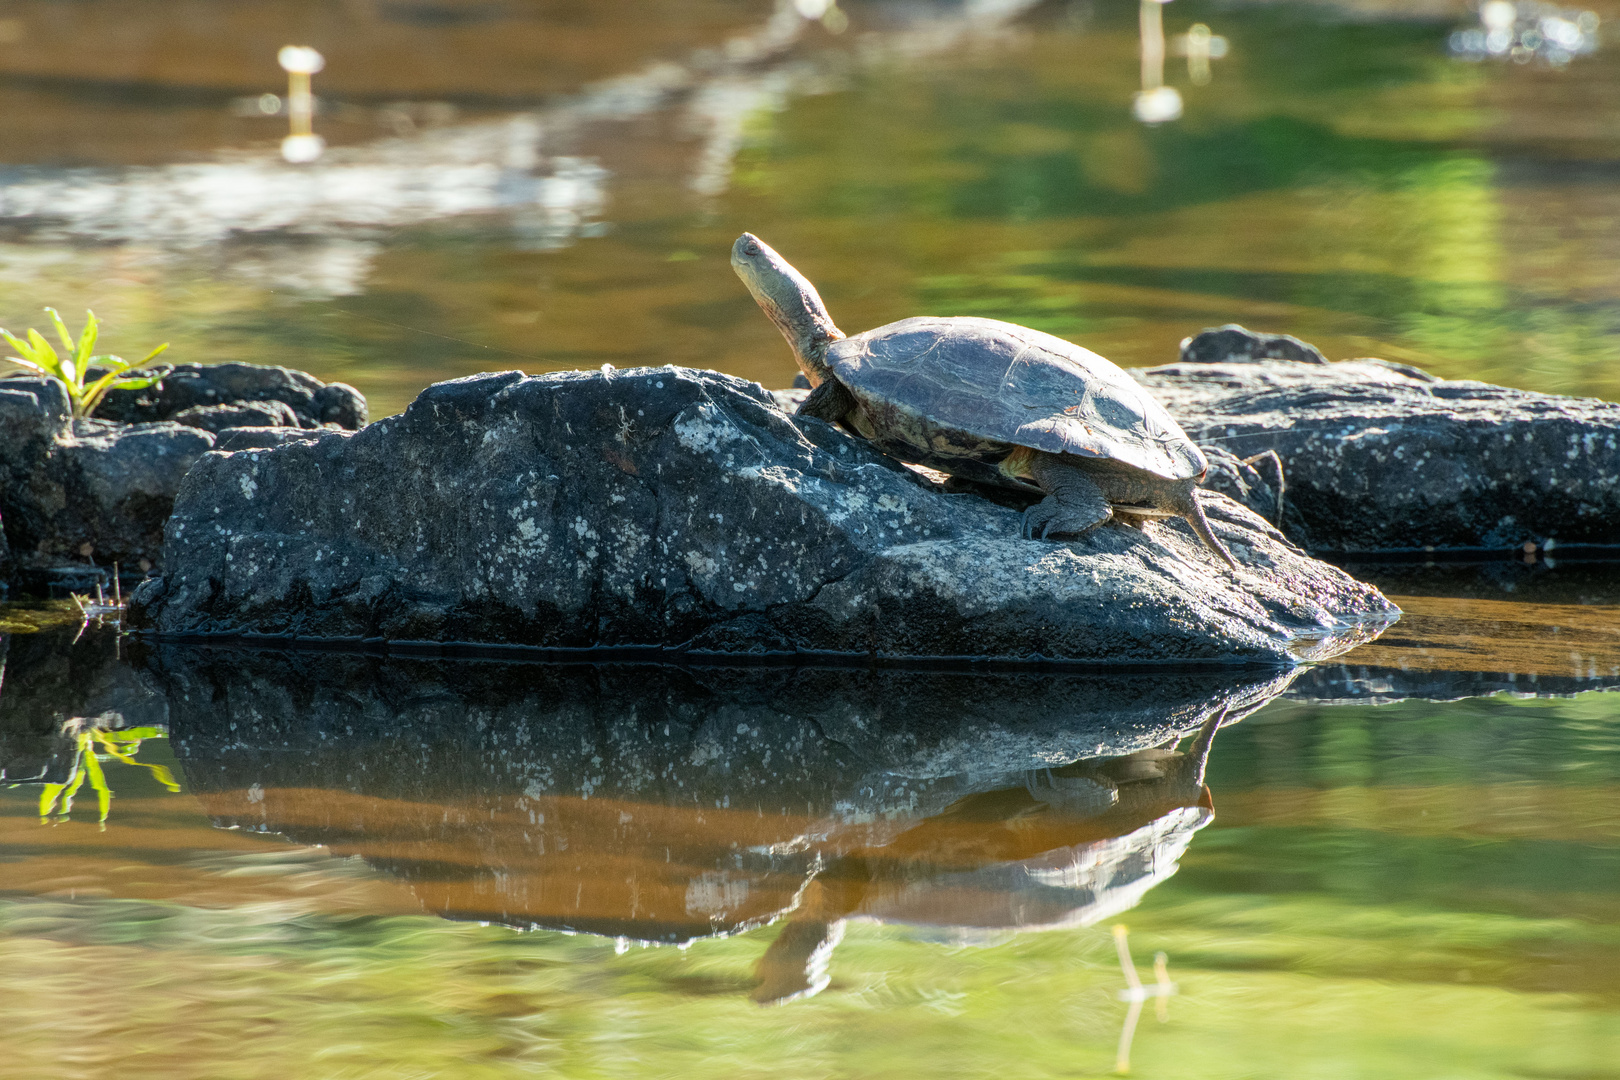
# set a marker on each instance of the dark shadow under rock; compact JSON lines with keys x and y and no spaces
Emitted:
{"x":675,"y":508}
{"x":1383,"y":457}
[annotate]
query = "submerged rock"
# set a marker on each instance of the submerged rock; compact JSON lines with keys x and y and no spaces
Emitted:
{"x":1382,"y":457}
{"x":80,"y":493}
{"x":683,"y":509}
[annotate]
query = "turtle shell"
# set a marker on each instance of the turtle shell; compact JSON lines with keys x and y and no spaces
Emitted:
{"x":974,"y":389}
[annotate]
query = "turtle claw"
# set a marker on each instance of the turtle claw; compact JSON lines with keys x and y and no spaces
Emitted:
{"x":1049,"y":519}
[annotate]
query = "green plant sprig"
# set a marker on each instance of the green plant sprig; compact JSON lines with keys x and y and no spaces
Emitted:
{"x":38,"y":355}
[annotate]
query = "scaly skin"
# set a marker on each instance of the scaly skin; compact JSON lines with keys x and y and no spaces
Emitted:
{"x":790,"y":302}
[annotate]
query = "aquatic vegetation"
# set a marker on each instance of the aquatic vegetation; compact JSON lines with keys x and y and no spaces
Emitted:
{"x":73,"y":368}
{"x":93,"y":747}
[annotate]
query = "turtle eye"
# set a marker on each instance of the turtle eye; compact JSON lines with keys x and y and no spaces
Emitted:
{"x":751,"y":249}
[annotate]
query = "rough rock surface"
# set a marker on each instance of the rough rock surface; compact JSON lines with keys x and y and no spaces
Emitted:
{"x":1382,"y":457}
{"x":77,"y":494}
{"x":682,"y":509}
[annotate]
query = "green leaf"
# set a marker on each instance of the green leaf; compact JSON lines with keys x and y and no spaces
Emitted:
{"x":38,"y":346}
{"x":98,"y":781}
{"x":136,"y":382}
{"x":110,"y":360}
{"x":87,"y":340}
{"x":62,"y":332}
{"x":162,"y":775}
{"x":134,"y":734}
{"x":11,"y":339}
{"x":41,"y":353}
{"x":29,"y":364}
{"x":152,"y":354}
{"x":47,"y":798}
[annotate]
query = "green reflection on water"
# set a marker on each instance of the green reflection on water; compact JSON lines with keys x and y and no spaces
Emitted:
{"x":1412,"y":890}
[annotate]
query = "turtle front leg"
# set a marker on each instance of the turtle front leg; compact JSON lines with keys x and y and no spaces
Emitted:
{"x":831,"y":401}
{"x":1074,"y":503}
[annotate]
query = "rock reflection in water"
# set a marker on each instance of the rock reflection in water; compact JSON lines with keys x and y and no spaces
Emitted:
{"x":50,"y":690}
{"x":663,"y":804}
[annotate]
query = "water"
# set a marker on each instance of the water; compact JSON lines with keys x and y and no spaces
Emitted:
{"x":1401,"y":862}
{"x":1346,"y":181}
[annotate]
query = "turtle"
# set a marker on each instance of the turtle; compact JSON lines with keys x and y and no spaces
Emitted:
{"x":991,"y":402}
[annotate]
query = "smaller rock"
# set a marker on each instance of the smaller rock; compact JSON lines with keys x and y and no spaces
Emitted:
{"x":217,"y":418}
{"x":78,"y":494}
{"x":1386,"y":458}
{"x":1233,"y":344}
{"x":187,"y":386}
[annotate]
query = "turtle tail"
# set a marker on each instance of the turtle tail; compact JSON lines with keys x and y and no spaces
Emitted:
{"x":1194,"y":514}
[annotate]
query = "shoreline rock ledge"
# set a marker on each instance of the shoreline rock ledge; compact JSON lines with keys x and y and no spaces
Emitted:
{"x":683,"y":510}
{"x":77,"y":489}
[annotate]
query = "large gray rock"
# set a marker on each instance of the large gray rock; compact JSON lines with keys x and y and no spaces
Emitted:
{"x":682,"y":509}
{"x":78,"y":494}
{"x":1382,"y":457}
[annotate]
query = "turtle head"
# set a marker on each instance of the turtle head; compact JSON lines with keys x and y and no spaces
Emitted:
{"x":789,"y":300}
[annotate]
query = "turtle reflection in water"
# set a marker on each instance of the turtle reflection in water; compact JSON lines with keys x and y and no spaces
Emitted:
{"x":1073,"y":846}
{"x":991,"y":402}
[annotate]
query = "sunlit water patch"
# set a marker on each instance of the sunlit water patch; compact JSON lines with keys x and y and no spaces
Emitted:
{"x":1352,"y":183}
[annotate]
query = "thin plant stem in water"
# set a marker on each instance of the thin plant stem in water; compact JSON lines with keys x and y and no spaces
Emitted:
{"x":1136,"y":993}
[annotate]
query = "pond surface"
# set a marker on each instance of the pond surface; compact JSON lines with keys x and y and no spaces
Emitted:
{"x":1404,"y":862}
{"x":1340,"y":178}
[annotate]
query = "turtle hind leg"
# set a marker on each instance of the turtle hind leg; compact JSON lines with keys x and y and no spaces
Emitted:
{"x":1186,"y":506}
{"x":1278,"y":485}
{"x":831,"y":401}
{"x":1074,"y":503}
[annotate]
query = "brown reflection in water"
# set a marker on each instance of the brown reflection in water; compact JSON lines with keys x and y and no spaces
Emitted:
{"x":1069,"y":847}
{"x":164,"y":848}
{"x":1451,"y":634}
{"x":599,"y":864}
